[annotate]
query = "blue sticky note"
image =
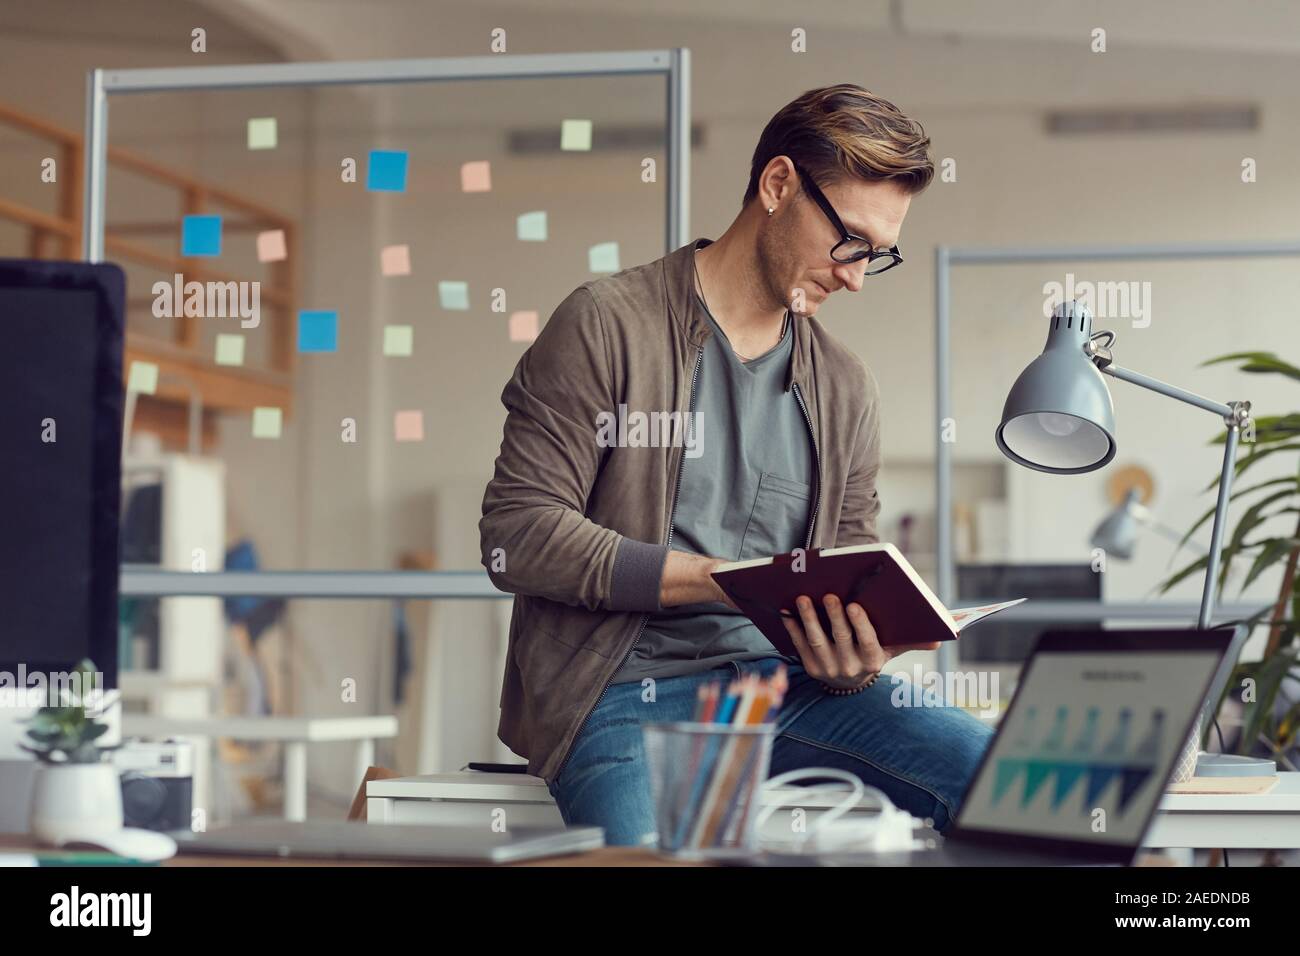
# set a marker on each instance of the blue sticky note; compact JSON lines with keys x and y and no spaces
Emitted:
{"x":453,"y":295}
{"x":387,"y":171}
{"x":318,"y":331}
{"x":603,"y":257}
{"x":531,"y":227}
{"x":201,"y":236}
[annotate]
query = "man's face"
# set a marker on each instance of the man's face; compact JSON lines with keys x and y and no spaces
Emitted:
{"x":795,"y":247}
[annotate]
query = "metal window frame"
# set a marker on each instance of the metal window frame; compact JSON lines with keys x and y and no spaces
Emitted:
{"x":945,"y":258}
{"x":674,"y":65}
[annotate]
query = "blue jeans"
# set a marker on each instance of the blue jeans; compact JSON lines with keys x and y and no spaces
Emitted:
{"x":923,"y":758}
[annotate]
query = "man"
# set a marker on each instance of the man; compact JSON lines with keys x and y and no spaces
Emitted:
{"x":608,"y":550}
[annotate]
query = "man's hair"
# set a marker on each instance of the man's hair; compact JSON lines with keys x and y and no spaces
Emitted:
{"x":842,"y":132}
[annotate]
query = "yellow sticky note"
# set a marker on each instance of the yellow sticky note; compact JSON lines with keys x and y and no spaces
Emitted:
{"x":603,"y":257}
{"x":523,"y":326}
{"x":409,"y":425}
{"x":262,"y":133}
{"x":143,"y":378}
{"x":531,"y":227}
{"x":230,"y":349}
{"x":271,"y":247}
{"x":575,"y":134}
{"x":476,"y":177}
{"x":267,"y":422}
{"x":399,"y":340}
{"x":395,"y":260}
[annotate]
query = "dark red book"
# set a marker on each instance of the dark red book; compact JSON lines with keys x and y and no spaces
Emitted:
{"x":901,"y":606}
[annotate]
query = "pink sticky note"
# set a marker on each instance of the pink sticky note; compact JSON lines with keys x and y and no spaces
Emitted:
{"x":395,"y":260}
{"x":523,"y":326}
{"x":476,"y":177}
{"x":409,"y":425}
{"x":271,"y":247}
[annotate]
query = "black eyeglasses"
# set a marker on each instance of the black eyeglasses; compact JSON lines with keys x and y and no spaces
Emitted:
{"x":850,"y":248}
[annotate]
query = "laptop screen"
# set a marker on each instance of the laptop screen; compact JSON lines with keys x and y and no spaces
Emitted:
{"x":1090,"y":740}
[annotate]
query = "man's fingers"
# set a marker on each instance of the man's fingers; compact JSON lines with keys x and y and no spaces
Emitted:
{"x":817,"y":642}
{"x":851,"y":658}
{"x":869,"y":647}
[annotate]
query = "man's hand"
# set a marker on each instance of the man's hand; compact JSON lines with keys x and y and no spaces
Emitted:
{"x":851,"y":654}
{"x":687,"y":579}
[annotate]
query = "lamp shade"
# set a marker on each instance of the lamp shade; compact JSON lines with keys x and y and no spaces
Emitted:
{"x":1118,"y":531}
{"x":1058,"y":416}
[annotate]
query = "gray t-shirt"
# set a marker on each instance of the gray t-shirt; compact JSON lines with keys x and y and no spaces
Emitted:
{"x":748,"y":495}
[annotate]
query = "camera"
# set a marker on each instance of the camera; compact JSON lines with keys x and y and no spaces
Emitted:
{"x":157,"y":783}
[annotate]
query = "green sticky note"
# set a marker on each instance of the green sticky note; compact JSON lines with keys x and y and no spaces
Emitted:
{"x":453,"y":295}
{"x":262,"y":133}
{"x":575,"y":134}
{"x":143,"y":378}
{"x":267,"y":422}
{"x":531,"y":227}
{"x":603,"y":257}
{"x":399,"y":340}
{"x":230,"y":349}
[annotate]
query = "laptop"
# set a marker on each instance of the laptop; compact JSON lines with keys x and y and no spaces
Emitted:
{"x":1083,"y":754}
{"x":356,"y":840}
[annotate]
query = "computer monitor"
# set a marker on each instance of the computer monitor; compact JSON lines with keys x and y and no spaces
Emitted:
{"x":998,"y":640}
{"x":61,"y":398}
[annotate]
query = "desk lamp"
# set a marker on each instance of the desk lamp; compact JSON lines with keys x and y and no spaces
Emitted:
{"x":1059,"y":418}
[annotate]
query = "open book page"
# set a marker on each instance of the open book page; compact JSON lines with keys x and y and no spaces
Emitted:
{"x":966,"y":616}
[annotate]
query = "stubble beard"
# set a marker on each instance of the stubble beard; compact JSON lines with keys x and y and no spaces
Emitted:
{"x":775,"y":264}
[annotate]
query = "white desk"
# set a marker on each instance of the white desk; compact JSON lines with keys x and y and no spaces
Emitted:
{"x":1259,"y":821}
{"x":1262,"y":821}
{"x":469,"y":798}
{"x":294,"y":732}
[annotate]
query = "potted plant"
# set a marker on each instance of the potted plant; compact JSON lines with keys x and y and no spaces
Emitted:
{"x":1271,"y":715}
{"x":77,"y":794}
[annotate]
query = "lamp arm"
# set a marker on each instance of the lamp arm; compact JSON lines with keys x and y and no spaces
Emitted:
{"x":1226,"y":412}
{"x":1216,"y":536}
{"x":1173,"y":534}
{"x":1235,"y":415}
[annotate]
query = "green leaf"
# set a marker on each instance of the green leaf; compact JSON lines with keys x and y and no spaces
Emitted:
{"x":1197,"y":565}
{"x":1268,"y":428}
{"x":1275,"y":551}
{"x":1256,"y":456}
{"x":1237,"y":492}
{"x":1258,"y":362}
{"x":89,"y":676}
{"x":1270,"y":677}
{"x":1287,"y":727}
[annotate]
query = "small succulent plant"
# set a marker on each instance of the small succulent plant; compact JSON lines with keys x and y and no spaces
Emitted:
{"x":66,"y":734}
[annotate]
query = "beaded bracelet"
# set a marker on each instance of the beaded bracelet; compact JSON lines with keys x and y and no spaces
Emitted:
{"x":845,"y":691}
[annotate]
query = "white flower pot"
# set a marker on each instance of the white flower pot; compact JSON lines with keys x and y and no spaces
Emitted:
{"x":75,"y":802}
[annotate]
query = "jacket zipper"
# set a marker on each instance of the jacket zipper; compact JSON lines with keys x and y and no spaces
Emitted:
{"x":645,"y":618}
{"x":817,"y":459}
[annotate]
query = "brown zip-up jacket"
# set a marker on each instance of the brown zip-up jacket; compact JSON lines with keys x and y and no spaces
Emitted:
{"x":578,"y":532}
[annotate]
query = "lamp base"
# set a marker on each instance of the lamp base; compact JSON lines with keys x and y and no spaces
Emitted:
{"x":1195,"y":762}
{"x":1234,"y":765}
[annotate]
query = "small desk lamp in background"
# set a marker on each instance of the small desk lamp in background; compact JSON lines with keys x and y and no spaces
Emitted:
{"x":1130,"y":490}
{"x":1059,"y":418}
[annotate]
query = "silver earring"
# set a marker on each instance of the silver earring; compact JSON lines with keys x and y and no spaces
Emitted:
{"x":770,"y":210}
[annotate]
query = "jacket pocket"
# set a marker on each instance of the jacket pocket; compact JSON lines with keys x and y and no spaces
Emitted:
{"x":779,"y":517}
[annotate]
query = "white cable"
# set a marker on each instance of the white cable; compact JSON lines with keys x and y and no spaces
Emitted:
{"x":891,"y":829}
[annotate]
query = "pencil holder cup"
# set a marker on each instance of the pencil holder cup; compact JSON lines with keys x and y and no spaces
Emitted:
{"x":706,"y":780}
